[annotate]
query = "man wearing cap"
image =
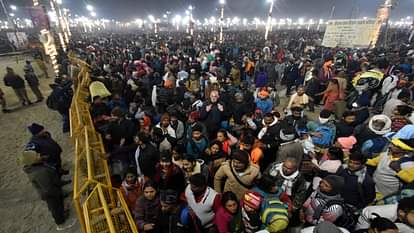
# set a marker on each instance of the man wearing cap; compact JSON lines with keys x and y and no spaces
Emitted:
{"x":43,"y":143}
{"x":46,"y":180}
{"x":239,"y":174}
{"x":394,"y":167}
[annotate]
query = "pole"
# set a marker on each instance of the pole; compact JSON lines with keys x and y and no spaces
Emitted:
{"x":221,"y":23}
{"x":332,"y":12}
{"x":269,"y":19}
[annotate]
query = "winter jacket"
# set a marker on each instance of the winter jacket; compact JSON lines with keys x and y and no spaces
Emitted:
{"x":174,"y":179}
{"x":213,"y":118}
{"x":226,"y":171}
{"x":45,"y":179}
{"x":387,"y":180}
{"x":328,"y":213}
{"x":146,"y":159}
{"x":31,"y":79}
{"x":299,"y":187}
{"x":131,"y":193}
{"x":14,"y":81}
{"x":265,"y":105}
{"x":46,"y":146}
{"x":147,"y":211}
{"x":261,"y":80}
{"x":356,"y":193}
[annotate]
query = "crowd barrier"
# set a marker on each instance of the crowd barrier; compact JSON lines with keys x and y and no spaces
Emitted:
{"x":100,"y":207}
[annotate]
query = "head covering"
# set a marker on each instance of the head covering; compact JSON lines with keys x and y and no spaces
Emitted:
{"x":241,"y":156}
{"x":35,"y":128}
{"x":168,"y":84}
{"x":337,"y":183}
{"x":169,"y":197}
{"x":165,"y":156}
{"x":263,"y":94}
{"x":193,"y":71}
{"x":383,"y":118}
{"x":325,"y":227}
{"x":252,"y":199}
{"x":194,"y":115}
{"x":197,"y":127}
{"x":347,"y":142}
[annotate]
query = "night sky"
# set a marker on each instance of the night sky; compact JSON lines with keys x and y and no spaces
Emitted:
{"x":131,"y":9}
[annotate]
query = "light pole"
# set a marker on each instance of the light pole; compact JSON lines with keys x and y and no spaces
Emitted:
{"x":191,"y":23}
{"x":222,"y":3}
{"x":269,"y":19}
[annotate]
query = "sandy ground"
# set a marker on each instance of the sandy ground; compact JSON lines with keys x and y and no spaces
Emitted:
{"x":21,"y":210}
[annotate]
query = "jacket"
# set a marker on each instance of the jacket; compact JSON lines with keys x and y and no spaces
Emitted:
{"x":46,"y":146}
{"x":45,"y":179}
{"x":299,"y":187}
{"x":174,"y":179}
{"x":357,"y":194}
{"x":232,"y":184}
{"x":14,"y":81}
{"x":290,"y":149}
{"x":265,"y":105}
{"x":213,"y":118}
{"x":31,"y":79}
{"x":261,"y":79}
{"x":146,"y":159}
{"x":146,"y":212}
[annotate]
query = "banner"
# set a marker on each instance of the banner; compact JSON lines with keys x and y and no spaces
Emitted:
{"x":39,"y":17}
{"x":18,"y":39}
{"x":352,"y":33}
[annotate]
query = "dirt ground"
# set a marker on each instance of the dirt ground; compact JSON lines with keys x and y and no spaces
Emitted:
{"x":21,"y":210}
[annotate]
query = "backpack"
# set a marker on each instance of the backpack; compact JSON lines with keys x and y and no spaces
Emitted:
{"x":327,"y":136}
{"x":272,"y":209}
{"x":347,"y":220}
{"x":52,"y":101}
{"x":372,"y":147}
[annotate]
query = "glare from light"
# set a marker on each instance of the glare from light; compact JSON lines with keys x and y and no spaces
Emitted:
{"x":93,"y":14}
{"x":151,"y":18}
{"x":13,"y":7}
{"x":270,"y":1}
{"x":190,"y":8}
{"x":89,"y":7}
{"x":222,"y":2}
{"x":11,"y":14}
{"x":59,"y":1}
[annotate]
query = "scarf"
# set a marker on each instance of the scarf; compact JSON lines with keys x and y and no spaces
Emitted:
{"x":360,"y":174}
{"x":288,"y":181}
{"x":264,"y":129}
{"x":385,"y":129}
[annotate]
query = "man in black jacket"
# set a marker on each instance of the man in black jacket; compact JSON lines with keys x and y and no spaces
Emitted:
{"x":360,"y":191}
{"x":33,"y":82}
{"x":46,"y":180}
{"x":43,"y":143}
{"x":17,"y":83}
{"x":146,"y":156}
{"x":213,"y":113}
{"x":269,"y":135}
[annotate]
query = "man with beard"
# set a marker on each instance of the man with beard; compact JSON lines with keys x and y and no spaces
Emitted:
{"x":43,"y":144}
{"x":402,"y":214}
{"x":297,"y":119}
{"x":269,"y":135}
{"x":289,"y":178}
{"x":146,"y":156}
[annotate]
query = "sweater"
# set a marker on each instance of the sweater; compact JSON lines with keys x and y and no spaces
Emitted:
{"x":204,"y":209}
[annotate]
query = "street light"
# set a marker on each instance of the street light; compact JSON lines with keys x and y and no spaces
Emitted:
{"x":13,"y":7}
{"x":89,"y":7}
{"x":93,"y":14}
{"x":269,"y":19}
{"x":222,"y":3}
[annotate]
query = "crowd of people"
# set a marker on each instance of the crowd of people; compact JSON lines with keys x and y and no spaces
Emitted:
{"x":250,"y":136}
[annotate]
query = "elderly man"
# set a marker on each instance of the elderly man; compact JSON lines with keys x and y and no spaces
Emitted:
{"x":213,"y":112}
{"x":288,"y":177}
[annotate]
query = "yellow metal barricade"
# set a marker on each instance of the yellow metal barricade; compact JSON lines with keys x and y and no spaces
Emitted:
{"x":100,"y":207}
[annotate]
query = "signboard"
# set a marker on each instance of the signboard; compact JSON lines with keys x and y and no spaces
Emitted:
{"x":39,"y":17}
{"x":352,"y":33}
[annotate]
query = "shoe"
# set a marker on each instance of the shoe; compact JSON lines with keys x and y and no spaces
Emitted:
{"x":30,"y":103}
{"x":66,"y":225}
{"x":6,"y":110}
{"x":65,"y":182}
